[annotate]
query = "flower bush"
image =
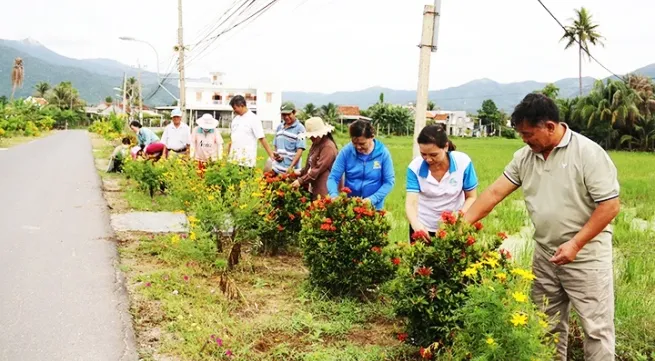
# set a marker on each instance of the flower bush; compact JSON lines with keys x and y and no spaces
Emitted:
{"x":431,"y":280}
{"x":287,"y":203}
{"x":343,"y":242}
{"x":498,"y":320}
{"x":149,"y":176}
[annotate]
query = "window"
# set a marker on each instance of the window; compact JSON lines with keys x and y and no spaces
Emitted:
{"x":198,"y":96}
{"x":217,"y":98}
{"x":269,"y":97}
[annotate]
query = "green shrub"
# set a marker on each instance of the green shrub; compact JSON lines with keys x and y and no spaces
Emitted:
{"x":430,"y":283}
{"x":148,"y":175}
{"x":509,"y":133}
{"x":343,"y":242}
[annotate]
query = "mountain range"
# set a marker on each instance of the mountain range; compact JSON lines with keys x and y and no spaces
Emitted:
{"x":96,"y":78}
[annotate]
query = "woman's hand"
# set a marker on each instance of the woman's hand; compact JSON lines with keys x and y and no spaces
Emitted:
{"x":295,"y":184}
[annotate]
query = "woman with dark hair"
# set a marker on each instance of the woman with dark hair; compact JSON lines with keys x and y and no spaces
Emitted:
{"x":147,"y":142}
{"x":440,"y":180}
{"x":321,"y":157}
{"x":367,"y":164}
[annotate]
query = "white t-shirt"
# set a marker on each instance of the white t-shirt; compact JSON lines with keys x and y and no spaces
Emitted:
{"x":247,"y":129}
{"x":176,"y":138}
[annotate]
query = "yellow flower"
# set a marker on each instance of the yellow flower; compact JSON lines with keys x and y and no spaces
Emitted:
{"x":543,"y":323}
{"x":519,"y":319}
{"x":492,"y":262}
{"x":230,"y":187}
{"x":192,"y":219}
{"x":524,"y":274}
{"x":243,"y":206}
{"x":501,"y":276}
{"x":477,"y":266}
{"x":520,"y":297}
{"x":470,"y":272}
{"x":210,"y":197}
{"x":175,"y":239}
{"x":257,"y":195}
{"x":490,"y":341}
{"x":192,"y":236}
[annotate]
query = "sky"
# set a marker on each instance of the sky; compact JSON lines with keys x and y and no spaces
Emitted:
{"x":344,"y":45}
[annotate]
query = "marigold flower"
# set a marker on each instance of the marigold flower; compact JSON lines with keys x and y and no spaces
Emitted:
{"x":502,"y":277}
{"x":527,"y":275}
{"x":519,"y":319}
{"x":520,"y":297}
{"x":303,"y":200}
{"x":543,"y":323}
{"x":492,"y":262}
{"x":470,"y":272}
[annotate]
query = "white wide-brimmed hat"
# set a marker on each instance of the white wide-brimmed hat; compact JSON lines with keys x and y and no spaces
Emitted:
{"x":207,"y":121}
{"x":315,"y":127}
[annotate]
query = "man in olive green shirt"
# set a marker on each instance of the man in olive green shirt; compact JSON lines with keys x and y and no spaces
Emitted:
{"x":571,"y":192}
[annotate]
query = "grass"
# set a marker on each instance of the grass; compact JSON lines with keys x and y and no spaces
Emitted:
{"x":278,"y":319}
{"x":17,"y":140}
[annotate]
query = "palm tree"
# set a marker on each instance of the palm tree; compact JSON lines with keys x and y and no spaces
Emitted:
{"x":17,"y":76}
{"x":583,"y":32}
{"x":308,"y":111}
{"x":644,"y":93}
{"x":41,"y":89}
{"x":330,"y":113}
{"x":109,"y":100}
{"x":431,"y":105}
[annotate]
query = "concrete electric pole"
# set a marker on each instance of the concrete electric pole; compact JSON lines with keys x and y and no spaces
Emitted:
{"x":180,"y":45}
{"x":140,"y":97}
{"x":428,"y":45}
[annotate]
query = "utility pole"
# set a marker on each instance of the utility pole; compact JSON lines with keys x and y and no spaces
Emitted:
{"x":428,"y":45}
{"x":140,"y":96}
{"x":180,"y":45}
{"x":125,"y":98}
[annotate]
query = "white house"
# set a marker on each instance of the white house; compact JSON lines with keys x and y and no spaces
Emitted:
{"x":214,"y":97}
{"x":457,"y":122}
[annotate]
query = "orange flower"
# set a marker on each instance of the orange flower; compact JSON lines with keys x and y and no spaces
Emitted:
{"x":402,"y":337}
{"x":470,"y":241}
{"x":502,"y":235}
{"x":448,"y":217}
{"x":346,"y":190}
{"x":395,"y":261}
{"x":478,"y":226}
{"x":377,"y":250}
{"x":442,"y":234}
{"x":280,"y":228}
{"x":424,"y":271}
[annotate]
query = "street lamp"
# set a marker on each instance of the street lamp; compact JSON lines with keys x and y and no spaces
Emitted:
{"x":129,"y":38}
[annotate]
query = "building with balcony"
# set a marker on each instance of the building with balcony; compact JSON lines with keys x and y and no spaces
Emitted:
{"x":214,"y":97}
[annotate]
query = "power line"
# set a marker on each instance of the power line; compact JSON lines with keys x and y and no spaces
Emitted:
{"x":576,"y":40}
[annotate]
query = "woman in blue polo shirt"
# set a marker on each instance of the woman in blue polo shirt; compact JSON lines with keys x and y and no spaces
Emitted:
{"x":441,"y":179}
{"x":367,"y":164}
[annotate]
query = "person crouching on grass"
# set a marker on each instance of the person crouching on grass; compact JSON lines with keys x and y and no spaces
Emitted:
{"x":440,"y":180}
{"x":148,"y":142}
{"x":367,"y":164}
{"x":206,"y":141}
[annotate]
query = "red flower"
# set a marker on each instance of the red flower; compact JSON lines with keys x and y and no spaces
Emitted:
{"x":327,"y":221}
{"x":470,"y":241}
{"x":420,"y":235}
{"x":424,"y":271}
{"x":502,"y":235}
{"x":291,"y":216}
{"x":377,"y":250}
{"x":425,"y":353}
{"x":395,"y":261}
{"x":346,"y":190}
{"x":478,"y":226}
{"x":303,"y":200}
{"x":448,"y":217}
{"x":505,"y":253}
{"x":280,"y":228}
{"x":383,"y":213}
{"x":402,"y":337}
{"x":280,"y":194}
{"x":442,"y":234}
{"x":325,"y":227}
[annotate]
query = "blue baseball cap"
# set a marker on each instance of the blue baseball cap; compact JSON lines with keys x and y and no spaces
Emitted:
{"x":176,"y":112}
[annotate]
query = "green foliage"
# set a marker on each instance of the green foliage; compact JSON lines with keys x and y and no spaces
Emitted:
{"x":509,"y":133}
{"x":489,"y":114}
{"x":343,"y":242}
{"x":431,"y":280}
{"x":390,"y":118}
{"x":23,"y":118}
{"x":498,"y":320}
{"x":287,"y":205}
{"x":147,"y":174}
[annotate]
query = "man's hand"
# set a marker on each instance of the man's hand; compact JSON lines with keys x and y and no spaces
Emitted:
{"x":277,"y":157}
{"x":291,"y":170}
{"x":295,"y":184}
{"x":566,"y":253}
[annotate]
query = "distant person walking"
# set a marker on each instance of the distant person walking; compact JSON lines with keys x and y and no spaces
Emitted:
{"x":322,"y":154}
{"x":206,"y":141}
{"x":247,"y":130}
{"x":177,"y":135}
{"x":287,"y":144}
{"x":147,"y":142}
{"x":441,"y":179}
{"x":571,"y":192}
{"x":367,"y":165}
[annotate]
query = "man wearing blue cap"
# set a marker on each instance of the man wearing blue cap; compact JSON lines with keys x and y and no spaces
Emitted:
{"x":177,"y":135}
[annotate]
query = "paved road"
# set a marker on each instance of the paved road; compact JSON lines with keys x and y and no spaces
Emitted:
{"x":60,"y":295}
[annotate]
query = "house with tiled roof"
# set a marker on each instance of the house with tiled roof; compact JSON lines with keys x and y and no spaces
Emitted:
{"x":350,"y":113}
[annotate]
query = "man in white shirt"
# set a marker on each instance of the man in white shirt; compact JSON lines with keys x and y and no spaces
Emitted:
{"x":177,"y":135}
{"x":246,"y":131}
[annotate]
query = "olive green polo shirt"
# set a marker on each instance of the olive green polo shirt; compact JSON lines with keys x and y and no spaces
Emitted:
{"x":562,"y":192}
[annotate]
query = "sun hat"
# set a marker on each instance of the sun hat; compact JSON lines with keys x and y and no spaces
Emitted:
{"x":287,"y":108}
{"x":207,"y":121}
{"x":176,"y":113}
{"x":315,"y":127}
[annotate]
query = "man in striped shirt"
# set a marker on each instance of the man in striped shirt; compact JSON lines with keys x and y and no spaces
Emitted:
{"x":288,"y":146}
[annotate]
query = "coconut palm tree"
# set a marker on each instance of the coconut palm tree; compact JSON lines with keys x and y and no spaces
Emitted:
{"x":644,"y":93}
{"x":17,"y":76}
{"x":583,"y":32}
{"x":431,"y":105}
{"x":330,"y":113}
{"x":41,"y":89}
